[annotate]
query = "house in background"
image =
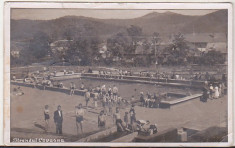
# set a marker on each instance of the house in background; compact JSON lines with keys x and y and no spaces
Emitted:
{"x":60,"y":45}
{"x":15,"y":54}
{"x":205,"y":42}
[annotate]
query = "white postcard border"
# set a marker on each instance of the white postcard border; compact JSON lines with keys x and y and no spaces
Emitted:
{"x":6,"y":65}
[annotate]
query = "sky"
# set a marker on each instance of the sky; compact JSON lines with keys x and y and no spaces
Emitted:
{"x":47,"y":14}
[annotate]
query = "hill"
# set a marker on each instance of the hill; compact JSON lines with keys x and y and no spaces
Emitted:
{"x":216,"y":22}
{"x":165,"y":23}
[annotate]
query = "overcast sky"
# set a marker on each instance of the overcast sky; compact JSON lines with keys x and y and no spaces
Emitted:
{"x":47,"y":14}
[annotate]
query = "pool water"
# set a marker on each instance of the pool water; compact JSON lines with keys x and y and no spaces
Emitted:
{"x":127,"y":90}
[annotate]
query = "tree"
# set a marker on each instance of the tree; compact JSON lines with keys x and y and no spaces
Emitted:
{"x":178,"y":50}
{"x":118,"y":45}
{"x":83,"y":51}
{"x":39,"y":46}
{"x":212,"y":57}
{"x":135,"y":32}
{"x":146,"y":46}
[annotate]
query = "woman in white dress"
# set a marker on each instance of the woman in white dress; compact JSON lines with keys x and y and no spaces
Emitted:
{"x":216,"y":93}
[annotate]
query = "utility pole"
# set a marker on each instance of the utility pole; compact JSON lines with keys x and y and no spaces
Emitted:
{"x":155,"y":52}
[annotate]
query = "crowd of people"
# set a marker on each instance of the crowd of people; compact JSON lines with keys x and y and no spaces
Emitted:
{"x":127,"y":123}
{"x":150,"y":101}
{"x":198,"y":76}
{"x":213,"y":91}
{"x":109,"y":99}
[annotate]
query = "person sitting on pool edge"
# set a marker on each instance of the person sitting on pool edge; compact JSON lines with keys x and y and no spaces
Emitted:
{"x":82,"y":86}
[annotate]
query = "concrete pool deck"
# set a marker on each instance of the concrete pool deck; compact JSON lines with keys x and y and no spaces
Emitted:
{"x":27,"y":109}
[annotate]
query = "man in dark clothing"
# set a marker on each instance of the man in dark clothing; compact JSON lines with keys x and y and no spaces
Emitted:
{"x":58,"y":119}
{"x":142,"y":98}
{"x":224,"y":79}
{"x":157,"y":100}
{"x":206,"y":93}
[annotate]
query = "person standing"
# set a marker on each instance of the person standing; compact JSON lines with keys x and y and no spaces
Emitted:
{"x":95,"y":99}
{"x":224,"y":79}
{"x":211,"y":91}
{"x":142,"y":98}
{"x":46,"y":117}
{"x":101,"y":120}
{"x":87,"y":97}
{"x":156,"y":101}
{"x":103,"y":89}
{"x":216,"y":95}
{"x":44,"y":83}
{"x":79,"y":117}
{"x":58,"y":119}
{"x":109,"y":91}
{"x":132,"y":114}
{"x":206,"y":93}
{"x":115,"y":91}
{"x":72,"y":88}
{"x":118,"y":120}
{"x":126,"y":119}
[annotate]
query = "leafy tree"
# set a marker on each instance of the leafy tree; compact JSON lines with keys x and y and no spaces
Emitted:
{"x":39,"y":46}
{"x":178,"y":50}
{"x":118,"y":45}
{"x":146,"y":46}
{"x":212,"y":57}
{"x":135,"y":32}
{"x":83,"y":51}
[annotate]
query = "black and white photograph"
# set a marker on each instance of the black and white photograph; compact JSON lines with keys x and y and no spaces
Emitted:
{"x":112,"y":75}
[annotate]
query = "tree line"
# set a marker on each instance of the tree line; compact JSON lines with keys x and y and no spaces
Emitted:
{"x":121,"y":49}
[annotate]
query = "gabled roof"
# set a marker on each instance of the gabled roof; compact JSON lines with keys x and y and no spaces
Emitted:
{"x":206,"y":37}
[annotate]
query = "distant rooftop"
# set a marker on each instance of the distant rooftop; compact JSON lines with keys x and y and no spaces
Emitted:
{"x":206,"y":37}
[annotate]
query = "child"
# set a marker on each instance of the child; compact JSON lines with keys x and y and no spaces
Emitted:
{"x":46,"y":117}
{"x":95,"y":99}
{"x":72,"y":87}
{"x":126,"y":119}
{"x":87,"y":97}
{"x":101,"y":120}
{"x":211,"y":91}
{"x":142,"y":98}
{"x":132,"y":114}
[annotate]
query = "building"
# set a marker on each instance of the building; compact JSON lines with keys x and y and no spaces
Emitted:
{"x":15,"y":54}
{"x":60,"y":45}
{"x":205,"y":42}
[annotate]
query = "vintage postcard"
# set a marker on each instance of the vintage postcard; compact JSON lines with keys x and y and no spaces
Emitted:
{"x":118,"y":74}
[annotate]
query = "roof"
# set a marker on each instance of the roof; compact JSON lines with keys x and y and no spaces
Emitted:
{"x":206,"y":37}
{"x":59,"y":42}
{"x":220,"y":46}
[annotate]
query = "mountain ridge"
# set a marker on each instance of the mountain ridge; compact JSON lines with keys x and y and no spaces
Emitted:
{"x":165,"y":23}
